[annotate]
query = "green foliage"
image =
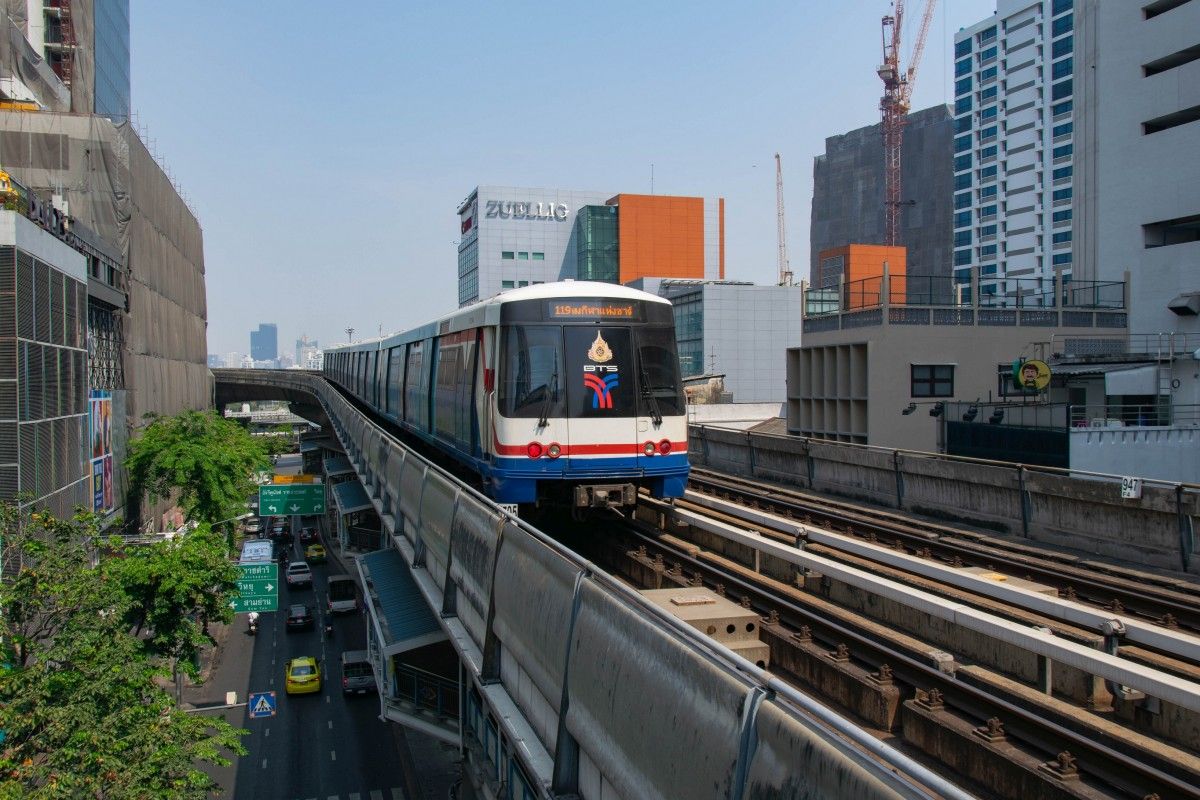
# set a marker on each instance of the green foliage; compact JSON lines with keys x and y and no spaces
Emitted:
{"x":209,"y":460}
{"x":278,"y":444}
{"x":83,"y":705}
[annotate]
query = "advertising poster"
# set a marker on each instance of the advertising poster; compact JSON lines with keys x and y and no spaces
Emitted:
{"x":100,"y":435}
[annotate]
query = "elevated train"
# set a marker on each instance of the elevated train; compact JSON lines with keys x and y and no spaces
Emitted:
{"x":556,"y":393}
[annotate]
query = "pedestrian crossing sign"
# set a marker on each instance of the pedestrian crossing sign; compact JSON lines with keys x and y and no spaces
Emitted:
{"x":261,"y":704}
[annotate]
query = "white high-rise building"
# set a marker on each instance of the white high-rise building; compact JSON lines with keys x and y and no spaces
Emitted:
{"x":1014,"y":148}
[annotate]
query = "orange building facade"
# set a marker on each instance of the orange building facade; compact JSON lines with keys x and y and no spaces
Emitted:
{"x":860,"y":268}
{"x":670,"y":237}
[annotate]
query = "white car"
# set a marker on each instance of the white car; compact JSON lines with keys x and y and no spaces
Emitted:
{"x":253,"y":526}
{"x":298,"y":574}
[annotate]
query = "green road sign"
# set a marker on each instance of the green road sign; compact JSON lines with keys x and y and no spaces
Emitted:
{"x":258,"y":588}
{"x":291,"y":498}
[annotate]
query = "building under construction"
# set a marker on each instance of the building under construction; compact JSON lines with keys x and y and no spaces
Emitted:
{"x":80,"y":176}
{"x":848,"y":192}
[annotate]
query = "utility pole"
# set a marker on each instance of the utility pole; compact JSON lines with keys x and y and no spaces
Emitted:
{"x":349,"y":335}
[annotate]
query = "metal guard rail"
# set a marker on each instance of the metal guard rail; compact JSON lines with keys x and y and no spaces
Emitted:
{"x":613,"y":674}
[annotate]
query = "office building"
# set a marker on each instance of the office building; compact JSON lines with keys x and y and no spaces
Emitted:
{"x":93,"y":186}
{"x":1137,"y":127}
{"x":304,"y":348}
{"x":1014,"y":147}
{"x":264,"y":342}
{"x":733,"y":329}
{"x":513,"y":237}
{"x":848,"y":181}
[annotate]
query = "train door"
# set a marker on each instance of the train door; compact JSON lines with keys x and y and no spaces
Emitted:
{"x":601,"y":382}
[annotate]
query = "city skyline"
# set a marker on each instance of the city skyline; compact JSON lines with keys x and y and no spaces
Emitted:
{"x":377,"y":176}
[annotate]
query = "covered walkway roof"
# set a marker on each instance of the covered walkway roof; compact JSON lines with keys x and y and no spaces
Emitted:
{"x":404,"y":622}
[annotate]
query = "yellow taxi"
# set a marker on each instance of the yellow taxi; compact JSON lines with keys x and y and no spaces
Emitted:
{"x":314,"y":553}
{"x":303,"y":676}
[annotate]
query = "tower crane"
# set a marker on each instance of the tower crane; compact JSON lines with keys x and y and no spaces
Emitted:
{"x":897,"y":93}
{"x":785,"y":269}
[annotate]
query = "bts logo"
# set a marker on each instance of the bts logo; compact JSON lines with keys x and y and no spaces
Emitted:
{"x":601,"y":386}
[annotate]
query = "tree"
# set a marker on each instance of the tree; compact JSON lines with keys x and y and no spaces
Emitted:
{"x":82,"y":703}
{"x":278,"y":444}
{"x":209,"y":460}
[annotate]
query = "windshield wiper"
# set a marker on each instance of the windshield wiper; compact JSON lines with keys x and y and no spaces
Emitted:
{"x":648,"y":392}
{"x":551,"y":394}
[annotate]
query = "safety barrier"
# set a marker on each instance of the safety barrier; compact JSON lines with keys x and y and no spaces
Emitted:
{"x":617,"y":697}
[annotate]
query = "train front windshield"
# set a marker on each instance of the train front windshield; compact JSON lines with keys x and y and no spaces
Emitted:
{"x":590,"y":371}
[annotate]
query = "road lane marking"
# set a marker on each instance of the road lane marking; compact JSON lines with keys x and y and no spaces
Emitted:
{"x":397,"y":794}
{"x":376,"y":794}
{"x":333,"y":755}
{"x":264,"y":764}
{"x":266,"y":732}
{"x":327,"y":700}
{"x":330,"y":724}
{"x":355,"y":796}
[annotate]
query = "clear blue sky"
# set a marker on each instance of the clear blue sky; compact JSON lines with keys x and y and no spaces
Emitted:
{"x":325,"y":146}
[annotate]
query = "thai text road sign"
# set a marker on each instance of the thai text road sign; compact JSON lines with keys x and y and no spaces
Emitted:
{"x":258,"y":588}
{"x":261,"y":704}
{"x":297,"y":498}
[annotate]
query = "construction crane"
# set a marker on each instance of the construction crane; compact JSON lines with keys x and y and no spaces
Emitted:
{"x":897,"y":93}
{"x":785,"y":270}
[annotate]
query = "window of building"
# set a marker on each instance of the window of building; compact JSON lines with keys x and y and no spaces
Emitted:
{"x":987,"y":35}
{"x":1060,"y":238}
{"x":962,"y":219}
{"x":962,"y":238}
{"x":962,"y":105}
{"x":987,"y":212}
{"x":1062,"y":89}
{"x":962,"y":258}
{"x":962,"y":162}
{"x":962,"y":124}
{"x":1062,"y":194}
{"x":987,"y":133}
{"x":1177,"y":59}
{"x":521,"y":284}
{"x":987,"y":152}
{"x":1059,"y":6}
{"x":987,"y":114}
{"x":962,"y":200}
{"x":987,"y":252}
{"x":987,"y":230}
{"x":1062,"y":25}
{"x":962,"y":143}
{"x":1062,"y":172}
{"x":962,"y":68}
{"x":987,"y":75}
{"x":1152,"y":10}
{"x":507,"y":255}
{"x":1061,"y":216}
{"x":962,"y":181}
{"x":1061,"y":69}
{"x":962,"y":86}
{"x":987,"y":95}
{"x":962,"y":276}
{"x":539,"y":256}
{"x":962,"y":48}
{"x":1064,"y":129}
{"x":987,"y":174}
{"x":1062,"y":47}
{"x":1172,"y":231}
{"x":1061,"y":108}
{"x":507,"y":284}
{"x":522,"y":255}
{"x":1063,"y":150}
{"x":1061,"y":258}
{"x":987,"y":55}
{"x":987,"y":192}
{"x":932,"y":380}
{"x":1171,"y":120}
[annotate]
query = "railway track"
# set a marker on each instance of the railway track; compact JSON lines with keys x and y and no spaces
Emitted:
{"x":1161,"y":599}
{"x":1062,"y":748}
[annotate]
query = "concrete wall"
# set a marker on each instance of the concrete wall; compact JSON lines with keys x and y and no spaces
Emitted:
{"x":848,"y":191}
{"x":1169,"y":454}
{"x":1043,"y":506}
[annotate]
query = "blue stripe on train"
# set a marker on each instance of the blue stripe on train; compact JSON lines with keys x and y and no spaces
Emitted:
{"x":514,"y":480}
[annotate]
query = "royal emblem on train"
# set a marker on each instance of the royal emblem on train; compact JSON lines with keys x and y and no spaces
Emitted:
{"x":600,"y":352}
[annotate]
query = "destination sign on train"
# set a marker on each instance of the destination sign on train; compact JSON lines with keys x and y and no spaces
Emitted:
{"x":560,"y":309}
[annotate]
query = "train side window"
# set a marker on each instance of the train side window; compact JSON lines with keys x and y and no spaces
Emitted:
{"x":531,"y":372}
{"x":412,"y":381}
{"x":659,"y":371}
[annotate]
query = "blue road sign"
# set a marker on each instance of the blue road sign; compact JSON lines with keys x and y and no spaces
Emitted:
{"x":261,"y":704}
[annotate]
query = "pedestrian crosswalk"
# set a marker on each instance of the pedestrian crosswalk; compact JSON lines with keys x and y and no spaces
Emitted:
{"x":394,"y":793}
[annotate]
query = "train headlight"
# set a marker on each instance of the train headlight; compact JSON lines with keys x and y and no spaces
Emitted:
{"x":649,"y":449}
{"x":664,"y":446}
{"x":554,"y":451}
{"x":534,"y":450}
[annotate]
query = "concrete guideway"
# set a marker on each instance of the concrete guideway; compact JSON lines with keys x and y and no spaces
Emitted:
{"x":1175,"y":642}
{"x":1153,"y":682}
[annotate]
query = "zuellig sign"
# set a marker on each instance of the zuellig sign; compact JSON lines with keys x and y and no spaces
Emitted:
{"x":516,"y":209}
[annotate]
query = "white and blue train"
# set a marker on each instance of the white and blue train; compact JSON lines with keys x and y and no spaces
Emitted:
{"x":562,"y":392}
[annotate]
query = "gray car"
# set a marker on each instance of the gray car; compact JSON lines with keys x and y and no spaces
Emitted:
{"x":357,"y":675}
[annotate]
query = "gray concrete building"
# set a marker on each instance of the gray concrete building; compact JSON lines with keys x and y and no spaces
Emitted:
{"x":1137,"y":174}
{"x":735,"y":329}
{"x":847,"y":203}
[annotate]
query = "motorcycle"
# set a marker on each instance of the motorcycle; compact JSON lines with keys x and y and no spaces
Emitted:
{"x":252,"y":626}
{"x":328,"y":630}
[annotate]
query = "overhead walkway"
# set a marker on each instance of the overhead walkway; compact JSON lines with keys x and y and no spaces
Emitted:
{"x":571,"y":683}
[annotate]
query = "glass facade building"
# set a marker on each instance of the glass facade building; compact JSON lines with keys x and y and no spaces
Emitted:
{"x":597,"y":256}
{"x":1013,"y":147}
{"x":112,"y":58}
{"x":264,"y":342}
